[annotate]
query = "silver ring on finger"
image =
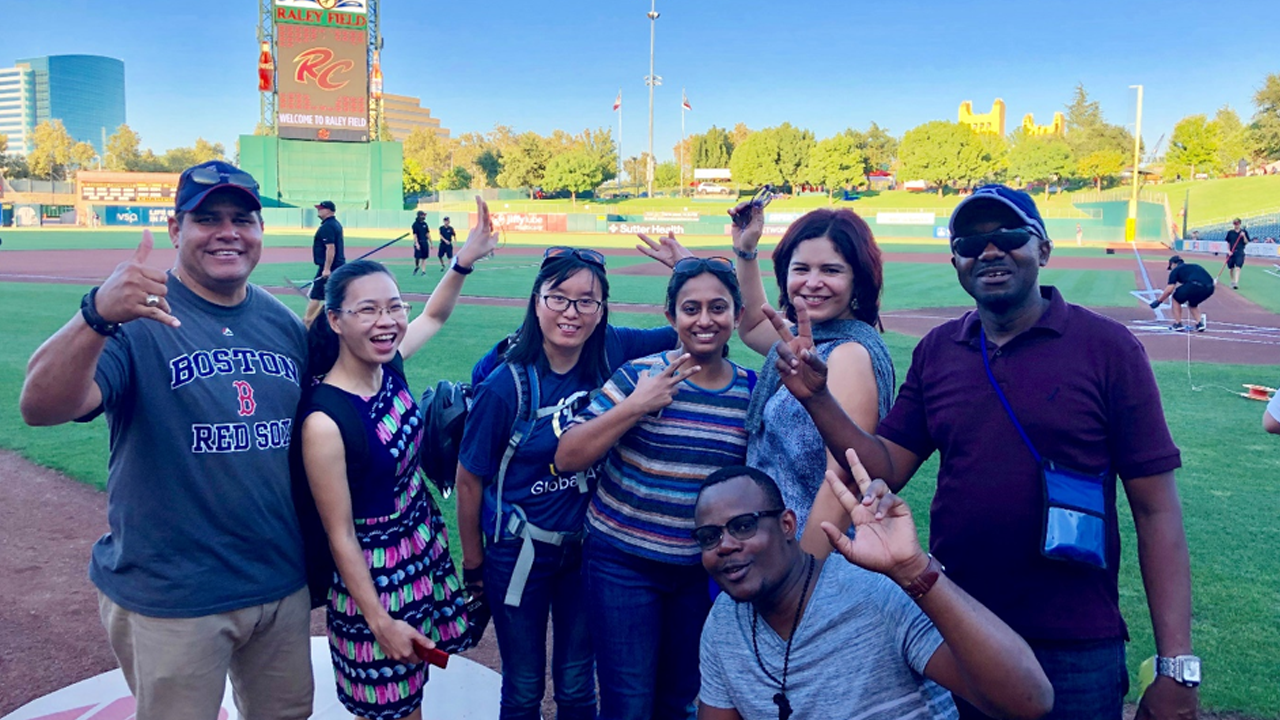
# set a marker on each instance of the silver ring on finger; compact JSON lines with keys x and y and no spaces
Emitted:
{"x":152,"y":301}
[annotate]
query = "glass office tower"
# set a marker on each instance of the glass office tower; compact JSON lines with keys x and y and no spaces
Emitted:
{"x":85,"y":92}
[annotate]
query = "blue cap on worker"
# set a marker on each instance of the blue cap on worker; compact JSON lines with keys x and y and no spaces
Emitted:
{"x":991,"y":196}
{"x":198,"y":181}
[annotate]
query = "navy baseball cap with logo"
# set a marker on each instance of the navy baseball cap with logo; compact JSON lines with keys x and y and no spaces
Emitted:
{"x":988,"y":196}
{"x":198,"y":181}
{"x":327,"y":205}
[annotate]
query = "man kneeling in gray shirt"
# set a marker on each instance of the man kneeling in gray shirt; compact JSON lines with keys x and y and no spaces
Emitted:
{"x":795,"y":634}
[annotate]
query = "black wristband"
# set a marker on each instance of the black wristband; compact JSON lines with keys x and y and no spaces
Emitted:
{"x":91,"y":317}
{"x":473,"y":575}
{"x":461,"y":269}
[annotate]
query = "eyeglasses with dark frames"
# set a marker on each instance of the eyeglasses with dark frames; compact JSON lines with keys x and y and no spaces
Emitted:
{"x":1005,"y":239}
{"x":741,"y":527}
{"x":560,"y":303}
{"x":557,"y":252}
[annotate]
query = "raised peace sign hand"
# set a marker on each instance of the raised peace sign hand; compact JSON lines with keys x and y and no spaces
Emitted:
{"x":482,"y":239}
{"x":666,"y":250}
{"x":885,"y":540}
{"x":802,"y":371}
{"x":135,"y":291}
{"x":656,"y":390}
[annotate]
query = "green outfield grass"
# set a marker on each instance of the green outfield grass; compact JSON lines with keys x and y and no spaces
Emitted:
{"x":1227,"y":485}
{"x":1222,"y":199}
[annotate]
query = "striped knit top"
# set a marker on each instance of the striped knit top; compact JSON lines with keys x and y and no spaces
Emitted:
{"x":644,"y":503}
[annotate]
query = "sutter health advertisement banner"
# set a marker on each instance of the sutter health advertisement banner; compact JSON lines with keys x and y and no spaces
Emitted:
{"x":322,"y":69}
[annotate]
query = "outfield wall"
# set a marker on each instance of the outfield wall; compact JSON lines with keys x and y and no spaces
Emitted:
{"x":298,"y":174}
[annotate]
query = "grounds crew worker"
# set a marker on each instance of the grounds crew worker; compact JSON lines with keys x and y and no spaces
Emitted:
{"x":1189,"y":284}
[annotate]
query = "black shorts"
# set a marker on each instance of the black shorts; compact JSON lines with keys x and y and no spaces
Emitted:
{"x":446,"y":250}
{"x":317,"y":288}
{"x":1192,"y":294}
{"x":421,"y":252}
{"x":1236,"y":260}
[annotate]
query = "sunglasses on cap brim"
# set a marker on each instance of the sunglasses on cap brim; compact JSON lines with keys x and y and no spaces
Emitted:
{"x":1005,"y":239}
{"x":559,"y":251}
{"x":211,"y":176}
{"x":691,"y":265}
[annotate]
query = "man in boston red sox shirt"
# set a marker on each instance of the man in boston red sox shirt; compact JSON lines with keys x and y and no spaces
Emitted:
{"x":197,"y":373}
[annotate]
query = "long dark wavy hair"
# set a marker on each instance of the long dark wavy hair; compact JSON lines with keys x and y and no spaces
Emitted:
{"x":526,"y":348}
{"x":322,"y":342}
{"x":853,"y":238}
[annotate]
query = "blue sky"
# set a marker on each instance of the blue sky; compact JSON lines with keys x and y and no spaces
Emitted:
{"x":191,"y":67}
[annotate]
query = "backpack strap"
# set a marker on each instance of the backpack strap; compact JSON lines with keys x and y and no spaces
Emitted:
{"x":526,"y":380}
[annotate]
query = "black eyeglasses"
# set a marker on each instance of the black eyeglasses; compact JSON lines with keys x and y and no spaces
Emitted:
{"x":560,"y":303}
{"x":741,"y":527}
{"x":559,"y":251}
{"x":692,"y":265}
{"x":212,"y":176}
{"x":1005,"y":239}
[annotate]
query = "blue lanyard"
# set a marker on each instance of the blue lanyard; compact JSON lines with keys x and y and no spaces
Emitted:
{"x":986,"y":363}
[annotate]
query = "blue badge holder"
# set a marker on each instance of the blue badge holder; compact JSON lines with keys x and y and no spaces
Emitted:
{"x":1075,"y":506}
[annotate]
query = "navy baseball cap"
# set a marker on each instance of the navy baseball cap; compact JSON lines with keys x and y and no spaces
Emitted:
{"x":327,"y":205}
{"x":992,"y":195}
{"x":198,"y":181}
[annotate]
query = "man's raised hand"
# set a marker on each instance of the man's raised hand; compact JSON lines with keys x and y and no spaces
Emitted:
{"x":798,"y":364}
{"x":125,"y":294}
{"x":885,"y":538}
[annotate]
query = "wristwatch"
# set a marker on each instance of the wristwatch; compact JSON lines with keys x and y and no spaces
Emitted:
{"x":460,"y":269}
{"x":91,"y":317}
{"x":925,"y":581}
{"x":1185,"y":669}
{"x":746,"y":255}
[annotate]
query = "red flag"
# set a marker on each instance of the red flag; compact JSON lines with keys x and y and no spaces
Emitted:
{"x":684,"y":101}
{"x":618,"y":103}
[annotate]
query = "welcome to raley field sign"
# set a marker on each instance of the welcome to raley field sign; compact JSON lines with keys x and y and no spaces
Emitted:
{"x":322,"y":69}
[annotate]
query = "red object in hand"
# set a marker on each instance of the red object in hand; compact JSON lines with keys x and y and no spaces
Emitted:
{"x":432,"y":655}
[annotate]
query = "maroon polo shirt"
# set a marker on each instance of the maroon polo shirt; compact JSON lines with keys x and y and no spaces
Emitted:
{"x":1082,"y":387}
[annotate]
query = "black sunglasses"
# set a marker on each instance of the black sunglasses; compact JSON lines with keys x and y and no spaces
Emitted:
{"x":741,"y":527}
{"x":212,"y":176}
{"x":691,"y":265}
{"x":761,"y":199}
{"x":559,"y":251}
{"x":1005,"y":239}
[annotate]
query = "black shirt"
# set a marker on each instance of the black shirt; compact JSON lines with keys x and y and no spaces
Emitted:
{"x":446,"y":233}
{"x":329,"y":233}
{"x":421,"y":232}
{"x":1190,"y":273}
{"x":1232,"y":235}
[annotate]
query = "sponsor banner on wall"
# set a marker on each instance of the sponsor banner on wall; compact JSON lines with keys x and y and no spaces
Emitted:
{"x":942,"y":232}
{"x":665,"y":216}
{"x":905,"y":218}
{"x":1253,"y":249}
{"x":768,"y":229}
{"x":136,"y":215}
{"x":629,"y":229}
{"x":530,"y":222}
{"x":781,"y":218}
{"x":322,"y":69}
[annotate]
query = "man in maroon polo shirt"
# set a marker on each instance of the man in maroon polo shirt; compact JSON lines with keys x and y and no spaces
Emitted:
{"x":1024,"y":519}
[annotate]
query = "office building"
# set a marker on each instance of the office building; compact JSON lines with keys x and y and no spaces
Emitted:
{"x":404,"y":113}
{"x":85,"y":92}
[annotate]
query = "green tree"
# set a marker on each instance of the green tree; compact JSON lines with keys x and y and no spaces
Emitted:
{"x":457,"y":178}
{"x":577,"y":171}
{"x":711,"y":149}
{"x":1040,"y":159}
{"x":123,"y":150}
{"x":490,"y":163}
{"x":524,"y":165}
{"x":794,"y":146}
{"x":1193,"y":147}
{"x":837,"y":161}
{"x":50,"y":151}
{"x":180,"y":158}
{"x":879,"y":146}
{"x":82,"y":156}
{"x":1235,"y":140}
{"x":429,"y":152}
{"x":1100,"y":166}
{"x":1087,"y":129}
{"x":1264,"y":131}
{"x":637,"y":169}
{"x":943,"y":153}
{"x":14,"y":167}
{"x":756,"y":162}
{"x":416,"y":180}
{"x":739,"y":134}
{"x":667,"y":174}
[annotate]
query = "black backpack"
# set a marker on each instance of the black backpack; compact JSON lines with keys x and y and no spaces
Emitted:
{"x":444,"y":409}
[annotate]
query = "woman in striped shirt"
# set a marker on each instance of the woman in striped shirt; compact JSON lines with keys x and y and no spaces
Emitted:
{"x":663,"y":423}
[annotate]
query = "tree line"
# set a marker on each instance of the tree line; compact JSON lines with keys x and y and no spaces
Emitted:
{"x":55,"y":155}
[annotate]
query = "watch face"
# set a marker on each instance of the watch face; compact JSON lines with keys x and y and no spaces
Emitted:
{"x":1190,"y":669}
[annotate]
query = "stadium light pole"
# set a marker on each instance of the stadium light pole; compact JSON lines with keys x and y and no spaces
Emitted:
{"x":1131,"y":224}
{"x":651,"y":80}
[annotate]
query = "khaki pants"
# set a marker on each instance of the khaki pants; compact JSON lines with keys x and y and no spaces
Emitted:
{"x":177,"y":667}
